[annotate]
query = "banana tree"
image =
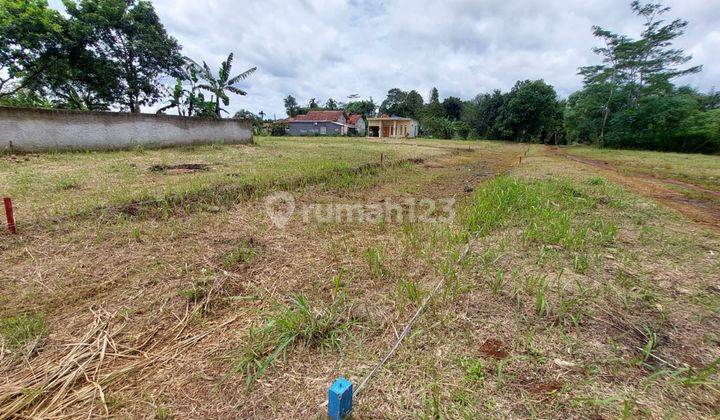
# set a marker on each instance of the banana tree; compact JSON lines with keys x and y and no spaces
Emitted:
{"x":222,"y":84}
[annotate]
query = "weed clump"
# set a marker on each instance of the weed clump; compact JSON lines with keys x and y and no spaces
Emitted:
{"x":374,"y":258}
{"x":243,"y":253}
{"x":21,"y":334}
{"x":295,"y":324}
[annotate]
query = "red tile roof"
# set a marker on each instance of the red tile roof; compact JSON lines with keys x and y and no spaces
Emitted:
{"x":320,"y":116}
{"x":353,"y":119}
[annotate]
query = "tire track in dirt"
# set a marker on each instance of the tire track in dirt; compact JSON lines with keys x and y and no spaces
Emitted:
{"x":703,"y":207}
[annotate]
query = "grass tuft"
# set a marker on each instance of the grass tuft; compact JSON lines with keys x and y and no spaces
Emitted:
{"x":374,"y":258}
{"x":22,"y":333}
{"x":298,"y":323}
{"x":242,"y":253}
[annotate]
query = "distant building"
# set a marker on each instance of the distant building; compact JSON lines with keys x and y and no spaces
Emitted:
{"x":393,"y":127}
{"x":357,"y":123}
{"x":318,"y":122}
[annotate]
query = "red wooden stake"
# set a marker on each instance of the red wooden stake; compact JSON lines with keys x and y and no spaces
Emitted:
{"x":9,"y":215}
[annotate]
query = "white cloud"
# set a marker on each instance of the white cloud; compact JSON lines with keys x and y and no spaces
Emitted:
{"x":333,"y":48}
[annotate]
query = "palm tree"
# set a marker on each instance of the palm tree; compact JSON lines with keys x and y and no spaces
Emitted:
{"x":223,"y":83}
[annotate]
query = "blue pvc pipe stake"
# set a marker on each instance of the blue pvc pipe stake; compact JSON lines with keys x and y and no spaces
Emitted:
{"x":340,"y":399}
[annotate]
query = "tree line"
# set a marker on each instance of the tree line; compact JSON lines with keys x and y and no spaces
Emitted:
{"x":116,"y":54}
{"x":103,"y":54}
{"x":628,"y":100}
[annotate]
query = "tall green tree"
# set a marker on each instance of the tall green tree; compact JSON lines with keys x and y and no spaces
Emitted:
{"x":482,"y":112}
{"x":365,"y":107}
{"x":630,"y":95}
{"x":403,"y":104}
{"x":130,"y":46}
{"x":331,"y":105}
{"x":434,"y":96}
{"x":453,"y":107}
{"x":413,"y":104}
{"x":434,"y":108}
{"x":30,"y":42}
{"x":530,"y":112}
{"x":223,"y":83}
{"x":394,"y":103}
{"x":291,"y":106}
{"x":640,"y":67}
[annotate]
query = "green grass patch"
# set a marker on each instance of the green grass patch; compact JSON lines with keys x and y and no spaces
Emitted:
{"x":20,"y":330}
{"x":242,"y":253}
{"x":298,"y":323}
{"x":555,"y":214}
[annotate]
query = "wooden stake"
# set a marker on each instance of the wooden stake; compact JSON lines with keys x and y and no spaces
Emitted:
{"x":9,"y":215}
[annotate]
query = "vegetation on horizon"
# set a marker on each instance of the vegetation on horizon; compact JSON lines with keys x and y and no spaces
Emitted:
{"x":105,"y":54}
{"x":627,"y":101}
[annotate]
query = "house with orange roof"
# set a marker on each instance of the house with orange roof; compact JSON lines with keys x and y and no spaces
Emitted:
{"x":357,"y":122}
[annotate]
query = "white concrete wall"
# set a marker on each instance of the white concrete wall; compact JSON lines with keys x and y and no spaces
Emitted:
{"x":25,"y":129}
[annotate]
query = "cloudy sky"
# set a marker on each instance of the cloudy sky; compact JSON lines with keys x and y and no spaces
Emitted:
{"x":335,"y":48}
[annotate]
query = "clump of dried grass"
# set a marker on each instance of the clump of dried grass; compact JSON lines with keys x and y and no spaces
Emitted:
{"x":74,"y":383}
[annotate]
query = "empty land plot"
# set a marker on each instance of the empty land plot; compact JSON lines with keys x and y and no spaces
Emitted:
{"x":579,"y":296}
{"x":53,"y":184}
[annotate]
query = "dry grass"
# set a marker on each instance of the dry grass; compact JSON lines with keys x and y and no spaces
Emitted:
{"x":579,"y":298}
{"x":698,"y":169}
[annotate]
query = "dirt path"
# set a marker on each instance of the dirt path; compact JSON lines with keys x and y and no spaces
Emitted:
{"x":701,"y":205}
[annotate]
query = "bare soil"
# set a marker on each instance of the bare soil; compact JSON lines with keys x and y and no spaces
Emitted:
{"x":702,"y":206}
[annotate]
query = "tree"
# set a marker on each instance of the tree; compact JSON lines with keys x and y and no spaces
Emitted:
{"x":453,"y":107}
{"x":403,"y":104}
{"x":291,"y":106}
{"x":30,"y":40}
{"x":629,"y":100}
{"x":645,"y":65}
{"x":331,"y":104}
{"x":711,"y":100}
{"x":434,"y":108}
{"x":128,"y":44}
{"x":434,"y":96}
{"x":244,"y":114}
{"x":413,"y":104}
{"x":439,"y":127}
{"x":531,"y":111}
{"x":278,"y":129}
{"x":26,"y":98}
{"x":223,"y":83}
{"x":482,"y":112}
{"x":313,"y":104}
{"x":366,"y":108}
{"x":394,"y":103}
{"x":176,"y":100}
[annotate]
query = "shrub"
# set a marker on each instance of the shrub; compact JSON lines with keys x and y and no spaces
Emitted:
{"x":278,"y":129}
